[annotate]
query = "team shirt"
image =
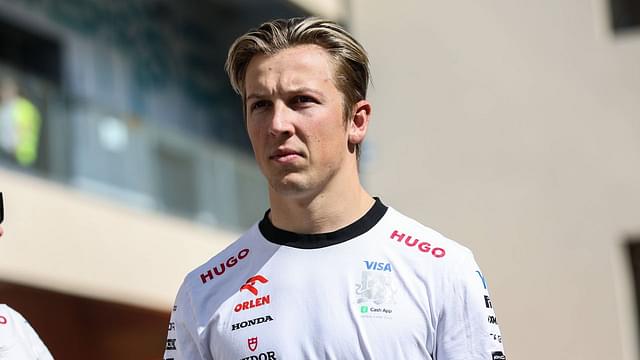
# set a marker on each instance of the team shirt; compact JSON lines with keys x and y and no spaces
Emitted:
{"x":18,"y":340}
{"x":384,"y":287}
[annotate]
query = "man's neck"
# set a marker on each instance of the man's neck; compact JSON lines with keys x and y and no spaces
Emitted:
{"x":324,"y":212}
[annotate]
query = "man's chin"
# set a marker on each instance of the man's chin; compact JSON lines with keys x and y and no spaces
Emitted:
{"x":290,"y":186}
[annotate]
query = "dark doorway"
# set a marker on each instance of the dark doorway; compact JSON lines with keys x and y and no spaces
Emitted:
{"x":78,"y":328}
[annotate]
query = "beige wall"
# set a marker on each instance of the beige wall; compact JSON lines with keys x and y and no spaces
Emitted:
{"x":60,"y":239}
{"x":331,"y":9}
{"x":514,"y":128}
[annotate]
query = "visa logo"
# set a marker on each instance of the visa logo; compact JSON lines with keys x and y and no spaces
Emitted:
{"x":380,"y":266}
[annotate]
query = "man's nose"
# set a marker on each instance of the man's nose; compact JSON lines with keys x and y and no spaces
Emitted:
{"x":281,"y":120}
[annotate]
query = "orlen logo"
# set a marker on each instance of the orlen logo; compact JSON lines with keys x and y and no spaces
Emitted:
{"x":410,"y":241}
{"x":231,"y":262}
{"x":250,"y":285}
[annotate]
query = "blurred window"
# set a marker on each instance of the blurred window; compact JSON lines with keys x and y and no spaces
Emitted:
{"x":130,"y":100}
{"x":26,"y":49}
{"x":625,"y":14}
{"x":177,"y":180}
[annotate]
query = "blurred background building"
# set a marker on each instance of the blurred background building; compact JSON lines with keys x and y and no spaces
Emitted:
{"x":513,"y":127}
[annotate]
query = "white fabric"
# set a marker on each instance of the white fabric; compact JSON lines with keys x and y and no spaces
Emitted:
{"x":399,"y":291}
{"x":18,"y":340}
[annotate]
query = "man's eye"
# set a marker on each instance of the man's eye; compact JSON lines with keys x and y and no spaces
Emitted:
{"x":259,"y":104}
{"x":304,"y":99}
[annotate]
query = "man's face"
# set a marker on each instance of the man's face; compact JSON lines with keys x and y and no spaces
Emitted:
{"x":295,"y":120}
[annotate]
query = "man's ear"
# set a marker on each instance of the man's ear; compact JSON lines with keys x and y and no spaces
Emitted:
{"x":359,"y":122}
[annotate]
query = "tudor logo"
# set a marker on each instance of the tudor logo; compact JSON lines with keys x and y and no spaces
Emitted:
{"x":423,"y":246}
{"x":249,"y":285}
{"x":253,"y":343}
{"x":256,"y":321}
{"x":220,"y":269}
{"x":269,"y":355}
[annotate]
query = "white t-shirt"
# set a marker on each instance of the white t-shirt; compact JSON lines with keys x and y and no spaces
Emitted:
{"x":384,"y":287}
{"x":18,"y":340}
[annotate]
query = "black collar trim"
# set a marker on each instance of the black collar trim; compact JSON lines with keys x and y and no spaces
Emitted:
{"x":316,"y":241}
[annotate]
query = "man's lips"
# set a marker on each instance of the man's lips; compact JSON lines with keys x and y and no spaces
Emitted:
{"x":285,"y":155}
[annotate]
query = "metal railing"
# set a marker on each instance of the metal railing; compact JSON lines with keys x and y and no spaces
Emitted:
{"x":143,"y":164}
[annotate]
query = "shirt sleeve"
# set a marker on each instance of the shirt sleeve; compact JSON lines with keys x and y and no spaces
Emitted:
{"x":467,"y":326}
{"x":27,"y":342}
{"x":181,"y":340}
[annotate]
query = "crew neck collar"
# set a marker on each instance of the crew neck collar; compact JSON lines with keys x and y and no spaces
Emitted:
{"x":316,"y":241}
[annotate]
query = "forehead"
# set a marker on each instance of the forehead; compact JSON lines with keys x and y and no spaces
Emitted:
{"x":297,"y":66}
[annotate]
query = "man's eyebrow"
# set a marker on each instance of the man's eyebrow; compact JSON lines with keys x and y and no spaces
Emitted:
{"x":306,"y":90}
{"x":259,"y":95}
{"x":255,"y":96}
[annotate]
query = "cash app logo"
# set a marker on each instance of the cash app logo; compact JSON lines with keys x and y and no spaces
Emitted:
{"x":364,"y":309}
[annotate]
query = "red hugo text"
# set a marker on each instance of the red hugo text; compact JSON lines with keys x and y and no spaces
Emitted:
{"x":269,"y":355}
{"x":423,"y":246}
{"x":253,"y":303}
{"x":231,"y":262}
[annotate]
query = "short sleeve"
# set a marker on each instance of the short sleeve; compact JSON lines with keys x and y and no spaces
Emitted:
{"x":467,"y":326}
{"x":181,"y":338}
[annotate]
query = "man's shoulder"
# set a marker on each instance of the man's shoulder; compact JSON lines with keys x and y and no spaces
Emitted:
{"x":224,"y":262}
{"x":209,"y":285}
{"x":8,"y":311}
{"x":10,"y":318}
{"x":412,"y":233}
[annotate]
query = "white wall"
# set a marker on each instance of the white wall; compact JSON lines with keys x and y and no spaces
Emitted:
{"x":514,"y":128}
{"x":60,"y":239}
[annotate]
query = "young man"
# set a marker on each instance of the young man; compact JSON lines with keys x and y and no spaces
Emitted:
{"x":330,"y":272}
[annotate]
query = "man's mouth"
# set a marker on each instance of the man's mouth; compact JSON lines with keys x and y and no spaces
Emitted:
{"x":285,"y":155}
